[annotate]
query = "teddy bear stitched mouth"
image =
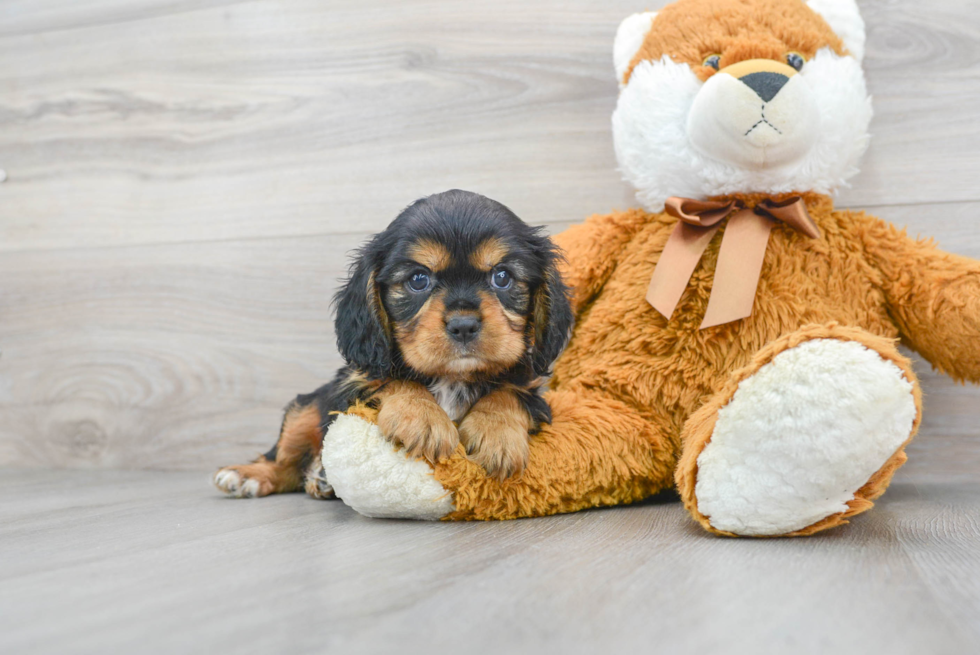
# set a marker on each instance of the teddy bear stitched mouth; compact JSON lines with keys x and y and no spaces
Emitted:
{"x":762,"y":121}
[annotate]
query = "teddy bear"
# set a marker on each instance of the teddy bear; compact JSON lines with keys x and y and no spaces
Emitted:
{"x":736,"y":338}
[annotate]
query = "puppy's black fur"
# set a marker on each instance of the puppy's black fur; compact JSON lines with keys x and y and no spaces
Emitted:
{"x":458,"y":295}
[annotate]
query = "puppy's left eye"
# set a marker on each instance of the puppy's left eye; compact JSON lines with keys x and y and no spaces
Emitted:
{"x":501,"y":279}
{"x":796,"y":60}
{"x":419,"y":281}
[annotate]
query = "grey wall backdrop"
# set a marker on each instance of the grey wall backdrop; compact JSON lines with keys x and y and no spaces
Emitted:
{"x":185,"y":179}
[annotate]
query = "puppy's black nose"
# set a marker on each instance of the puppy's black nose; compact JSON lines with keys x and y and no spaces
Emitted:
{"x":766,"y":85}
{"x":463,"y":328}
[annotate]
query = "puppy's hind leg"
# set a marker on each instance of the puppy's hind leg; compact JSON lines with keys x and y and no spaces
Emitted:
{"x":284,"y":467}
{"x":316,"y":481}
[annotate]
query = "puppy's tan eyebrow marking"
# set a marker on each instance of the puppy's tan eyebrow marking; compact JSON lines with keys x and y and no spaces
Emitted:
{"x":431,"y":254}
{"x":488,"y":254}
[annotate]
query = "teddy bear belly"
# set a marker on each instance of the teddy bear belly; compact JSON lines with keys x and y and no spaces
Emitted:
{"x":623,"y":345}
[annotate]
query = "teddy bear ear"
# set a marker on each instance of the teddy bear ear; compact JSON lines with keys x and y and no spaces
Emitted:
{"x":845,"y":19}
{"x":629,"y":38}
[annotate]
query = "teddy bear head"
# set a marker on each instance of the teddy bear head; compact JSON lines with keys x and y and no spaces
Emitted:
{"x":740,"y":96}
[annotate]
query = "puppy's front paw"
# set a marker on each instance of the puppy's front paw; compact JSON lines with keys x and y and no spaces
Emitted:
{"x":500,"y":448}
{"x":419,"y":424}
{"x":495,"y":434}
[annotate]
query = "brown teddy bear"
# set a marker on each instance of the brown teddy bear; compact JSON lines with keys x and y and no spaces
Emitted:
{"x":737,"y":338}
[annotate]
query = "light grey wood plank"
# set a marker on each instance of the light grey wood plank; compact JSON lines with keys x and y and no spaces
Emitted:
{"x":261,"y":119}
{"x":32,"y":17}
{"x":108,"y":561}
{"x":176,"y":123}
{"x":952,"y":225}
{"x":255,"y":143}
{"x":156,"y":121}
{"x":181,"y":356}
{"x":921,"y":66}
{"x":158,"y":356}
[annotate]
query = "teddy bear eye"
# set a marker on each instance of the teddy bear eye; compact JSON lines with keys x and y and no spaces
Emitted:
{"x":712,"y":60}
{"x":796,"y":60}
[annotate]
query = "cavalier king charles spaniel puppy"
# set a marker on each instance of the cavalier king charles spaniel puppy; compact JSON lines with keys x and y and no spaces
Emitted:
{"x":449,"y":324}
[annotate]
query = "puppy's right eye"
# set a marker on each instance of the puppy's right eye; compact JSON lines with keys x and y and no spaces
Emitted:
{"x":419,"y":281}
{"x":501,"y":279}
{"x":712,"y":61}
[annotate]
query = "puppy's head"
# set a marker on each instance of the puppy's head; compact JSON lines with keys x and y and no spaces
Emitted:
{"x":457,"y":287}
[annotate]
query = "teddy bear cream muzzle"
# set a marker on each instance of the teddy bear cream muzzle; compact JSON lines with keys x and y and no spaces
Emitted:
{"x":755,"y":113}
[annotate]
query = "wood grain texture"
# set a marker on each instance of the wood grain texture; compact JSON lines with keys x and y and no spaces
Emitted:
{"x":186,"y":178}
{"x":148,"y":562}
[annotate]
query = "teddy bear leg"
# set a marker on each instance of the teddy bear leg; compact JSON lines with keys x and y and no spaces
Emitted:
{"x":375,"y":477}
{"x":597,"y":451}
{"x":804,"y":437}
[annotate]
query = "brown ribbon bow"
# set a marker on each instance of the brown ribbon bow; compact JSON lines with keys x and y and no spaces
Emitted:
{"x":743,"y":248}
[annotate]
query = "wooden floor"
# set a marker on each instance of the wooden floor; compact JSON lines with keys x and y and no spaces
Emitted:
{"x":152,"y":562}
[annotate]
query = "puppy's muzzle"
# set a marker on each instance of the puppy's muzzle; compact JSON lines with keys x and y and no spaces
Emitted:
{"x":463,"y":329}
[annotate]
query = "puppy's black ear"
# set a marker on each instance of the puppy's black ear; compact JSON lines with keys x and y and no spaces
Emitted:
{"x":552,"y":316}
{"x":362,"y":326}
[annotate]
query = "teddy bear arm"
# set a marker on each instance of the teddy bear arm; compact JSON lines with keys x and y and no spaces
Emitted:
{"x":933,"y":297}
{"x":592,"y":251}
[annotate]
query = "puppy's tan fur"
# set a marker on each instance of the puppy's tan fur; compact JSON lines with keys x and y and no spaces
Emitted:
{"x":410,"y":415}
{"x":411,"y":363}
{"x":431,"y":254}
{"x":300,"y":434}
{"x":495,"y":434}
{"x":427,"y":348}
{"x":488,"y":254}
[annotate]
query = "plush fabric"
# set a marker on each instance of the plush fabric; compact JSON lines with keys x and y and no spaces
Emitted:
{"x":669,"y":124}
{"x":787,"y":422}
{"x":374,"y":478}
{"x":795,"y":436}
{"x":631,"y":380}
{"x":687,"y":31}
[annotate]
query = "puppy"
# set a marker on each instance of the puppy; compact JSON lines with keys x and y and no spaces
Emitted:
{"x":449,"y":323}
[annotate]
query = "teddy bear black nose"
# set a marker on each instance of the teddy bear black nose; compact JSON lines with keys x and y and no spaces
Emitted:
{"x":766,"y":85}
{"x":463,"y":328}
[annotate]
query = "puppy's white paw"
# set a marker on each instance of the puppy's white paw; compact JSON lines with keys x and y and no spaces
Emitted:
{"x":232,"y":483}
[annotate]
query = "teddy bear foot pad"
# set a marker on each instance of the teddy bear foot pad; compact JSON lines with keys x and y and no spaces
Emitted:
{"x":801,"y":436}
{"x":377,"y":479}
